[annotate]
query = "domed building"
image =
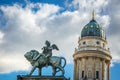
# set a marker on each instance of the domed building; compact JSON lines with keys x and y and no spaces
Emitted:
{"x":92,"y":57}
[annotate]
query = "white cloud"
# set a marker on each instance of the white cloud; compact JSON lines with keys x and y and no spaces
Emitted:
{"x":1,"y":37}
{"x":26,"y":29}
{"x":104,"y":21}
{"x":114,"y":29}
{"x":13,"y":62}
{"x":23,"y":30}
{"x":114,"y":47}
{"x":86,"y":5}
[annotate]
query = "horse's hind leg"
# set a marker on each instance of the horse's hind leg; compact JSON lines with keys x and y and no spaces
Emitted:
{"x":32,"y":70}
{"x":62,"y":70}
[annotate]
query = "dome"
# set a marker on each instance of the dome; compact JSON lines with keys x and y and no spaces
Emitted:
{"x":92,"y":29}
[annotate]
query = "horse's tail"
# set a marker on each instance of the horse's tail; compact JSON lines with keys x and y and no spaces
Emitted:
{"x":62,"y":58}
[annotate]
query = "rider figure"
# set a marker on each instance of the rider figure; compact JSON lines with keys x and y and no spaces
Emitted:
{"x":47,"y":51}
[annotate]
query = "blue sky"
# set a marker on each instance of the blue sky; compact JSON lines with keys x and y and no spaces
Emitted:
{"x":26,"y":24}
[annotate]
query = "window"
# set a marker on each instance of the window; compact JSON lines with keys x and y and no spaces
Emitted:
{"x":91,"y":26}
{"x":97,"y":27}
{"x":97,"y":74}
{"x":97,"y":42}
{"x":84,"y":42}
{"x":82,"y":74}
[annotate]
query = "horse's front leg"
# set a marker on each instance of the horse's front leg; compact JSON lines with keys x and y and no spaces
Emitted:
{"x":54,"y":71}
{"x":39,"y":71}
{"x":33,"y":68}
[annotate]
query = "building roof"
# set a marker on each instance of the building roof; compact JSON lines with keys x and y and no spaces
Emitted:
{"x":93,"y":29}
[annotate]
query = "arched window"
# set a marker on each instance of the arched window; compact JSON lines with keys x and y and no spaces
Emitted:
{"x":97,"y":42}
{"x":97,"y":74}
{"x":84,"y":42}
{"x":82,"y":74}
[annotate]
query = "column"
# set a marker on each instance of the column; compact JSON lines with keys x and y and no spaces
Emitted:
{"x":85,"y":67}
{"x":77,"y":70}
{"x":103,"y":70}
{"x":108,"y":69}
{"x":74,"y":69}
{"x":80,"y":69}
{"x":94,"y":67}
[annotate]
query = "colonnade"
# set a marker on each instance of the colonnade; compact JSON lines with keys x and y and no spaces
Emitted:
{"x":105,"y":69}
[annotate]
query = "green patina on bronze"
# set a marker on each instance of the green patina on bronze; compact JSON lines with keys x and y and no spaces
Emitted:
{"x":44,"y":59}
{"x":93,"y":29}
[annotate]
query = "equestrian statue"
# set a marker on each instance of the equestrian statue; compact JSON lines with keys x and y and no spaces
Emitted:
{"x":45,"y":59}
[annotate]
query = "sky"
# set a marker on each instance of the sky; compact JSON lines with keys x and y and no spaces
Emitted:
{"x":27,"y":24}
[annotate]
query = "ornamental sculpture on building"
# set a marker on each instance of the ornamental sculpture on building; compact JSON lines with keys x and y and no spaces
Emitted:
{"x":45,"y":59}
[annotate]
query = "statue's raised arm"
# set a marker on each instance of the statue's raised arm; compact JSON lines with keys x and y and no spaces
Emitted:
{"x":55,"y":47}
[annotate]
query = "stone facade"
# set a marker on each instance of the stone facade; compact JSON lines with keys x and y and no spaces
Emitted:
{"x":92,"y":60}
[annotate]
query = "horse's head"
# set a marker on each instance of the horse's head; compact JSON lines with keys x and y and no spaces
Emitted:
{"x":31,"y":55}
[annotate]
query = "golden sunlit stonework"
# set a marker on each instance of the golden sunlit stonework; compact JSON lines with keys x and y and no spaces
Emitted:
{"x":92,"y":57}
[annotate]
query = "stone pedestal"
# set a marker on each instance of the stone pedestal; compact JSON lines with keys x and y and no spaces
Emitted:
{"x":40,"y":78}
